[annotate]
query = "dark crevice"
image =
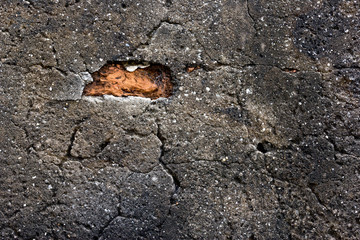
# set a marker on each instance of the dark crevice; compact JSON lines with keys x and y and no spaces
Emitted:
{"x":265,"y":147}
{"x":261,"y":148}
{"x":168,"y":3}
{"x":312,"y":187}
{"x":167,"y":169}
{"x":175,"y":179}
{"x":107,"y":224}
{"x":105,"y":144}
{"x":248,"y":11}
{"x":252,"y":237}
{"x":72,"y":139}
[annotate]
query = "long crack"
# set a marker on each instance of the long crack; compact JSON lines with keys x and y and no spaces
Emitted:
{"x":166,"y":168}
{"x":248,"y":11}
{"x":176,"y":181}
{"x":107,"y":224}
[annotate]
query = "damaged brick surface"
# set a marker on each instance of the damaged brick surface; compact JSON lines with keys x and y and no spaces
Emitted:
{"x":260,"y":140}
{"x":116,"y":79}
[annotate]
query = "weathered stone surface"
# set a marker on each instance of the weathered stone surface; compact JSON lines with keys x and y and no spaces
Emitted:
{"x":260,"y":140}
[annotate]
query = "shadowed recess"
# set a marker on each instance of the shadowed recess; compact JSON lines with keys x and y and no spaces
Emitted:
{"x":131,"y":79}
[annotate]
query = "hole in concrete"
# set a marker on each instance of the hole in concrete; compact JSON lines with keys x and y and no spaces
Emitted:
{"x":260,"y":147}
{"x":190,"y":69}
{"x":168,"y":3}
{"x":265,"y":147}
{"x":252,"y":237}
{"x":131,"y":79}
{"x":290,"y":70}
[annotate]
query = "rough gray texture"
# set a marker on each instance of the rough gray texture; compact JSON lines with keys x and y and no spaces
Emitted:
{"x":261,"y":142}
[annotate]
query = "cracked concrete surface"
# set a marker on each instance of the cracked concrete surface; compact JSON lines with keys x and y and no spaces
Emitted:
{"x":259,"y":141}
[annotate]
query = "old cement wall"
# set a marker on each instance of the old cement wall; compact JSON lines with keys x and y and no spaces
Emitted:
{"x":261,"y":141}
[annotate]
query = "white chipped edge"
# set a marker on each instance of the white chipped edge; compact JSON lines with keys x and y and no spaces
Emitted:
{"x":127,"y":99}
{"x":132,"y":67}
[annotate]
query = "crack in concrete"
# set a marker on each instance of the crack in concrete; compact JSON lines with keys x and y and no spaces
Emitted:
{"x":68,"y":154}
{"x":248,"y":12}
{"x":107,"y":224}
{"x":166,"y":168}
{"x":175,"y":179}
{"x":269,"y":174}
{"x":72,"y":139}
{"x":152,"y":32}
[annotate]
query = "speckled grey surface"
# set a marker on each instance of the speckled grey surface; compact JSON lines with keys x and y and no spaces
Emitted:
{"x":261,"y":142}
